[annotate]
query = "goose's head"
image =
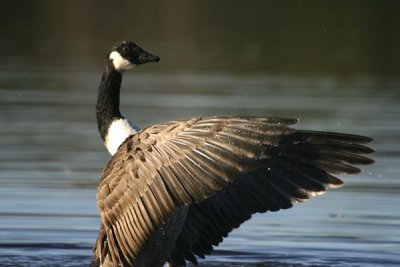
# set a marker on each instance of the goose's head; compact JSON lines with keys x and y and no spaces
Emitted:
{"x":126,"y":55}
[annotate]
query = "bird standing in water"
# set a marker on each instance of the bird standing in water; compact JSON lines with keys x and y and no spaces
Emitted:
{"x":174,"y":190}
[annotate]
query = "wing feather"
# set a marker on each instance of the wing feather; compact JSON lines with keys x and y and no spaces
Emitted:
{"x":294,"y":166}
{"x":262,"y":163}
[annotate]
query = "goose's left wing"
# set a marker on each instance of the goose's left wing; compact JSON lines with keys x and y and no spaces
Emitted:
{"x":177,"y":163}
{"x":303,"y":164}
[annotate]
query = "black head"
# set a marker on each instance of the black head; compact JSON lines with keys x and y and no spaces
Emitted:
{"x":126,"y":55}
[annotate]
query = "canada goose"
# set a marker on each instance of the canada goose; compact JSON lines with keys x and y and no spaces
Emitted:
{"x":172,"y":191}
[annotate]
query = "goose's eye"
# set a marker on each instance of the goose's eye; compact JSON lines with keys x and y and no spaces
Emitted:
{"x":124,"y":49}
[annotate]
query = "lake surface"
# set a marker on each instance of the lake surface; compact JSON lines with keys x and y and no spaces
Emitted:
{"x":51,"y":158}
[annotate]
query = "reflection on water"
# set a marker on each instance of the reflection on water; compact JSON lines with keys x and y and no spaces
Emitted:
{"x":51,"y":159}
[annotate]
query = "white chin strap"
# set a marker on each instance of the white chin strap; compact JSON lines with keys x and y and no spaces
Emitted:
{"x":120,"y":63}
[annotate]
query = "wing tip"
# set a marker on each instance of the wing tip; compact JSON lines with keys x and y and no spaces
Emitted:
{"x":362,"y":139}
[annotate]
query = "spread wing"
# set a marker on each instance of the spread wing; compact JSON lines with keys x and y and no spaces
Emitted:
{"x":173,"y":164}
{"x":301,"y":165}
{"x":186,"y":162}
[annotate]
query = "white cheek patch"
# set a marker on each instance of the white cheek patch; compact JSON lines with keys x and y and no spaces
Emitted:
{"x":117,"y":133}
{"x":120,"y":63}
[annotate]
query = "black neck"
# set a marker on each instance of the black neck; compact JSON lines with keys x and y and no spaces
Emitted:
{"x":107,"y":108}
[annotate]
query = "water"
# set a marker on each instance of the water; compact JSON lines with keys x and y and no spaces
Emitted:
{"x":51,"y":160}
{"x":332,"y":65}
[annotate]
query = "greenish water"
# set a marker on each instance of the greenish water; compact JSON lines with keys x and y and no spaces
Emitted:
{"x":333,"y":65}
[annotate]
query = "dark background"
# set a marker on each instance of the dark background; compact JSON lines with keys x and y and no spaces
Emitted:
{"x":339,"y":37}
